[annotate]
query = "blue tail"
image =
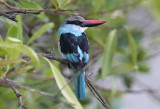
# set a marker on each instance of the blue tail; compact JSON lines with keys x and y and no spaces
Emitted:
{"x":80,"y":85}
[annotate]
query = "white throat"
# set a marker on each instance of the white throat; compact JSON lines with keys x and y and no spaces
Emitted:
{"x":81,"y":28}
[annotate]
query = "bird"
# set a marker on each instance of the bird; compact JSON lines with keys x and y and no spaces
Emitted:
{"x":74,"y":47}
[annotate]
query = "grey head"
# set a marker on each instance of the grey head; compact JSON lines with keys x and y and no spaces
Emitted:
{"x":77,"y":20}
{"x":80,"y":21}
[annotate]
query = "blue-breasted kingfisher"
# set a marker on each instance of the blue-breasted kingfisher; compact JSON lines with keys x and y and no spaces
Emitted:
{"x":73,"y":46}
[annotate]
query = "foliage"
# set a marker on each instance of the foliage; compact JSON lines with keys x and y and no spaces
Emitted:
{"x":113,"y":46}
{"x":61,"y":83}
{"x":109,"y":53}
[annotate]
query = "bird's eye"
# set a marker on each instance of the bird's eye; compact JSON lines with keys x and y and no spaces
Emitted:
{"x":78,"y":22}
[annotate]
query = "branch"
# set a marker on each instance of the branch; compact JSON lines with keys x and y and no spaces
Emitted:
{"x":11,"y":17}
{"x":8,"y":83}
{"x":23,"y":12}
{"x":149,"y":91}
{"x":96,"y":93}
{"x":33,"y":84}
{"x":19,"y":96}
{"x":49,"y":56}
{"x":40,"y":10}
{"x":16,"y":10}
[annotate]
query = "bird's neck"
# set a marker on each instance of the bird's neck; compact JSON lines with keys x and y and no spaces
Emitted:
{"x":70,"y":28}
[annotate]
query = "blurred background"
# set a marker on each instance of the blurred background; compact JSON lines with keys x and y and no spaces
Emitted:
{"x":124,"y":52}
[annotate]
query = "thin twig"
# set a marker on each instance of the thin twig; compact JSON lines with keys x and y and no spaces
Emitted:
{"x":150,"y":91}
{"x":19,"y":2}
{"x":11,"y":17}
{"x":19,"y":70}
{"x":23,"y":12}
{"x":19,"y":96}
{"x":96,"y":93}
{"x":40,"y":10}
{"x":33,"y":84}
{"x":49,"y":56}
{"x":8,"y":83}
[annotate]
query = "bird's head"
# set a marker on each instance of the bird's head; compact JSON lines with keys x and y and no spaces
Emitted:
{"x":78,"y":23}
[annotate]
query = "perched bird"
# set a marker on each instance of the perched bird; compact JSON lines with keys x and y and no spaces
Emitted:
{"x":74,"y":47}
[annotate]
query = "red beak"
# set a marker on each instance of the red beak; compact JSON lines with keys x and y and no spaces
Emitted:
{"x":91,"y":23}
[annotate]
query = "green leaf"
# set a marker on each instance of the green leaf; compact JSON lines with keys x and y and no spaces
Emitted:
{"x":65,"y":3}
{"x":13,"y":40}
{"x":33,"y":4}
{"x":65,"y":89}
{"x":7,"y":62}
{"x":128,"y":79}
{"x":9,"y":23}
{"x":55,"y":3}
{"x":109,"y":50}
{"x":23,"y":69}
{"x":91,"y":35}
{"x":15,"y":29}
{"x":19,"y":27}
{"x":22,"y":49}
{"x":155,"y":8}
{"x":132,"y":46}
{"x":12,"y":32}
{"x":12,"y":53}
{"x":14,"y":36}
{"x":121,"y":69}
{"x":114,"y":87}
{"x":42,"y":30}
{"x":60,"y":4}
{"x":143,"y":67}
{"x":99,"y":41}
{"x":1,"y":71}
{"x":30,"y":4}
{"x":2,"y":51}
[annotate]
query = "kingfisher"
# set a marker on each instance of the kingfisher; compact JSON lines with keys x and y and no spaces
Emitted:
{"x":73,"y":46}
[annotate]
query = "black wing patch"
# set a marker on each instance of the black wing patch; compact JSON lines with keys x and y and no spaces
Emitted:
{"x":83,"y":43}
{"x":69,"y":46}
{"x":68,"y":43}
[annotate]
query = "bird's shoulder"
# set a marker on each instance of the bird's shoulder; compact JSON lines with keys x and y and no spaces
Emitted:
{"x":69,"y":41}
